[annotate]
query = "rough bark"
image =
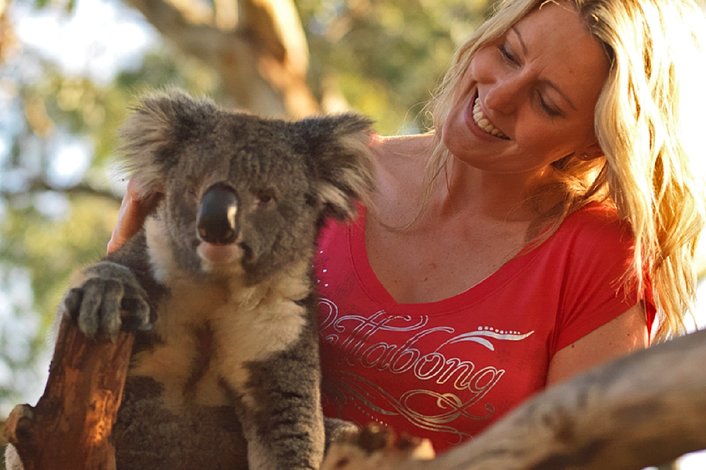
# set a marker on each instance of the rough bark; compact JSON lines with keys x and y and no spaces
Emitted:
{"x":70,"y":426}
{"x":258,"y":47}
{"x":643,"y":410}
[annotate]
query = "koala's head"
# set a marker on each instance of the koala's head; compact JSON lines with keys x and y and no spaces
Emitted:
{"x":240,"y":191}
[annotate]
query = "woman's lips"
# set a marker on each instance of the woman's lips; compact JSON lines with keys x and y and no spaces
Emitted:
{"x":479,"y":124}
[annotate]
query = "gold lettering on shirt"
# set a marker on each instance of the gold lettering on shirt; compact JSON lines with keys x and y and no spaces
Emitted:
{"x":467,"y":383}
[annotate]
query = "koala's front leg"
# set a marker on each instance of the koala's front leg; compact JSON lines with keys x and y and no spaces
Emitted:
{"x":281,"y":414}
{"x":106,"y":299}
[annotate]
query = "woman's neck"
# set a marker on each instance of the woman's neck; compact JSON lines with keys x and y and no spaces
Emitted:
{"x":493,"y":196}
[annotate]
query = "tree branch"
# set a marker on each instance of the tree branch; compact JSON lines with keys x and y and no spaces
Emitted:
{"x":263,"y":61}
{"x":70,"y":426}
{"x":643,"y":410}
{"x":81,"y":189}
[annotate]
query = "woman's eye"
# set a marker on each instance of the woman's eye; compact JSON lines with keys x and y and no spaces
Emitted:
{"x":506,"y":54}
{"x":549,"y":109}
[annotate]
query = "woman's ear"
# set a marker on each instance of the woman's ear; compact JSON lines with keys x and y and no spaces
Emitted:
{"x":591,"y":152}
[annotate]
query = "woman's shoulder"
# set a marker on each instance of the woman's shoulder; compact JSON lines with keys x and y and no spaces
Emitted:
{"x":399,"y":169}
{"x":595,"y":227}
{"x":595,"y":216}
{"x":399,"y":153}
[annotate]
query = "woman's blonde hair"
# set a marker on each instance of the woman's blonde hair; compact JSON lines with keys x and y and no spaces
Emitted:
{"x":647,"y":125}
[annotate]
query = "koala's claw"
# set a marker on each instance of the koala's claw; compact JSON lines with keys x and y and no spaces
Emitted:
{"x":103,"y":306}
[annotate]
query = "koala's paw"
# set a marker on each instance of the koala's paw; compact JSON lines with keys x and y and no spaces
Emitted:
{"x":109,"y":299}
{"x":376,"y":448}
{"x":338,"y":430}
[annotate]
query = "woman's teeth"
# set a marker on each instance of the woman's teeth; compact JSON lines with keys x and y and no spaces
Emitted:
{"x":483,"y":122}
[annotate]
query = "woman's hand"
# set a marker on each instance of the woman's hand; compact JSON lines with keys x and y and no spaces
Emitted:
{"x":133,"y":211}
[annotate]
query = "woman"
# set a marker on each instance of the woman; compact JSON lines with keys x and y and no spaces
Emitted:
{"x":534,"y":233}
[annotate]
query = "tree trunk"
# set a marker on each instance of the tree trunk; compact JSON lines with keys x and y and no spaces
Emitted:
{"x":7,"y":35}
{"x":642,"y":410}
{"x":70,"y":426}
{"x":258,"y":47}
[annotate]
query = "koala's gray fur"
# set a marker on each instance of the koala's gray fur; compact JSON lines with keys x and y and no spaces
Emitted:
{"x":218,"y":284}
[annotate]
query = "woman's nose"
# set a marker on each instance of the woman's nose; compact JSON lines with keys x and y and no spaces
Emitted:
{"x":504,"y":94}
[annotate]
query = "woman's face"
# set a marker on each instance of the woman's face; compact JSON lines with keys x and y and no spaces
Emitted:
{"x":528,"y":98}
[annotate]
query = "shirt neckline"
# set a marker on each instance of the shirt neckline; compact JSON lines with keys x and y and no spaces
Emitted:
{"x":379,"y":293}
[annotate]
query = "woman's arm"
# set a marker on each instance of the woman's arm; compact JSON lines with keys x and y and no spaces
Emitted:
{"x":133,"y":211}
{"x":624,"y":334}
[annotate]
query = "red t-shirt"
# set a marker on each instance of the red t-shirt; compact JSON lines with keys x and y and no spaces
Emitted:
{"x":445,"y":370}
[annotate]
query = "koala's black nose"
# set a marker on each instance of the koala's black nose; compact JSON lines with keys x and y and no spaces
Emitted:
{"x":217,"y":217}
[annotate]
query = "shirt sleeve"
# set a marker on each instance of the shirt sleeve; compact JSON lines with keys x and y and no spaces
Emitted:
{"x":599,"y":284}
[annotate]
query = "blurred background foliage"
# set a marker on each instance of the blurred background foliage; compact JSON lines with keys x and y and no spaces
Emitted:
{"x":59,"y":184}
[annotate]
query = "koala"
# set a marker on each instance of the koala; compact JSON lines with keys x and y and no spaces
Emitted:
{"x":218,"y":286}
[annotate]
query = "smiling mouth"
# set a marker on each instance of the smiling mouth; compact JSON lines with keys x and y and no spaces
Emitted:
{"x":484,"y":123}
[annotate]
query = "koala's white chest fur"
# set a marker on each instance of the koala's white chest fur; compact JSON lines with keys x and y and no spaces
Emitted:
{"x":210,"y":330}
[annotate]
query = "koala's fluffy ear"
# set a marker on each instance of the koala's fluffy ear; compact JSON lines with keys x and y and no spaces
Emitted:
{"x":156,"y":127}
{"x":341,"y":161}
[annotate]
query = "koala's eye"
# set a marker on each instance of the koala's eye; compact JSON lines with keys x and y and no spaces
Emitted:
{"x":264,"y":197}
